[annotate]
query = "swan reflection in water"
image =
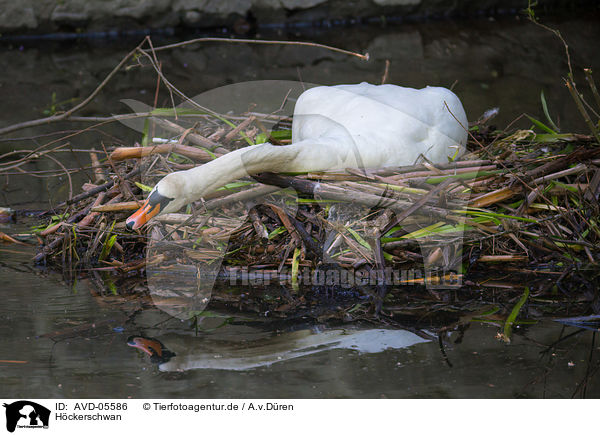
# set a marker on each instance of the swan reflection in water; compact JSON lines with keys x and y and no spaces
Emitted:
{"x":174,"y":352}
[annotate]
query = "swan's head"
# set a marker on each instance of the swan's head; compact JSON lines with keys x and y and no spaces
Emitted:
{"x":168,"y":196}
{"x":153,"y":347}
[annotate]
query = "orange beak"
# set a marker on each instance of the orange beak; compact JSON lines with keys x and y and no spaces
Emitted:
{"x":146,"y":212}
{"x":151,"y":347}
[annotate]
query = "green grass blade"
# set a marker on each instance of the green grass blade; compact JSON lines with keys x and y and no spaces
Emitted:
{"x":145,"y":138}
{"x":545,"y":108}
{"x":514,"y":313}
{"x":235,"y":185}
{"x":541,"y":125}
{"x":463,"y":176}
{"x":276,"y":232}
{"x":295,"y":267}
{"x":416,"y":234}
{"x":107,"y":247}
{"x":494,"y":216}
{"x":275,"y":134}
{"x":143,"y":187}
{"x":109,"y":241}
{"x":359,"y":239}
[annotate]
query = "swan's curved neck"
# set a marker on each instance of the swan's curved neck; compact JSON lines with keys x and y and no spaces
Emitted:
{"x":241,"y":163}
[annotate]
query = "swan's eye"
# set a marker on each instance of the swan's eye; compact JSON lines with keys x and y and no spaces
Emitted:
{"x":157,"y":200}
{"x":153,"y":206}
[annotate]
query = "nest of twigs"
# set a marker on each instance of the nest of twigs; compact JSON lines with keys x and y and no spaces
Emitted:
{"x":522,"y":203}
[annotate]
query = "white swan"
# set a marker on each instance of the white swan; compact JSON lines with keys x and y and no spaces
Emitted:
{"x":334,"y":127}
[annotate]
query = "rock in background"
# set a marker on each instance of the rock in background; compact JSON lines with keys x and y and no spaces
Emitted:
{"x":44,"y":16}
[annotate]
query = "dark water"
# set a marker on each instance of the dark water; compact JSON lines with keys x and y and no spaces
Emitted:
{"x":505,"y":63}
{"x":88,"y":356}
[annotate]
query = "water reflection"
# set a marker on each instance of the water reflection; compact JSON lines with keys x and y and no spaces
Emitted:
{"x":181,"y":352}
{"x":71,"y":341}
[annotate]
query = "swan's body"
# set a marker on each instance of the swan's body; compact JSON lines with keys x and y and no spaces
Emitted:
{"x":334,"y":127}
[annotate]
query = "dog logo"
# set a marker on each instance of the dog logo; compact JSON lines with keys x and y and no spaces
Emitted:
{"x":26,"y":414}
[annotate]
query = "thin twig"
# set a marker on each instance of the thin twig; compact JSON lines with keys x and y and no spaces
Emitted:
{"x":592,"y":84}
{"x":571,"y":86}
{"x":264,"y":42}
{"x":386,"y":72}
{"x":98,"y":189}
